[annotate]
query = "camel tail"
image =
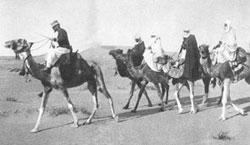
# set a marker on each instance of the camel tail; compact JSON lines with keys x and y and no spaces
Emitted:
{"x":99,"y":79}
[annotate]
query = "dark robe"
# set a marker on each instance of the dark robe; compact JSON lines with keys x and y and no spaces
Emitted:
{"x":191,"y":68}
{"x":137,"y":53}
{"x":62,"y":39}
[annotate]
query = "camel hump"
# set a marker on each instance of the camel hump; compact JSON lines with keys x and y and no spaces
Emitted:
{"x":67,"y":64}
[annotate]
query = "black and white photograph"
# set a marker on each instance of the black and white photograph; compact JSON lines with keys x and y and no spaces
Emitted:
{"x":124,"y":72}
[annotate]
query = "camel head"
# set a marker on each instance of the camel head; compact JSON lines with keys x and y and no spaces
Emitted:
{"x":204,"y":51}
{"x":205,"y":54}
{"x":20,"y":46}
{"x":115,"y":53}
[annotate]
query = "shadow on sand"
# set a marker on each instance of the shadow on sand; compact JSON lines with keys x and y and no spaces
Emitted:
{"x":185,"y":101}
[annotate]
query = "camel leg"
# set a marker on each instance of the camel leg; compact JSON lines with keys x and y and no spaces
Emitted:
{"x":226,"y":91}
{"x":146,"y":94}
{"x":206,"y":82}
{"x":105,"y":92}
{"x":93,"y":90}
{"x":71,"y":107}
{"x":236,"y":108}
{"x":131,"y":93}
{"x":163,"y":90}
{"x":160,"y":94}
{"x":178,"y":87}
{"x":222,"y":89}
{"x":191,"y":93}
{"x":144,"y":84}
{"x":167,"y":91}
{"x":42,"y":108}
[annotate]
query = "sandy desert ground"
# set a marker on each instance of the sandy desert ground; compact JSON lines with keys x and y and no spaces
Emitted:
{"x":19,"y":103}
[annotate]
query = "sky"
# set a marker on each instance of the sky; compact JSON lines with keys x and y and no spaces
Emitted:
{"x":92,"y":23}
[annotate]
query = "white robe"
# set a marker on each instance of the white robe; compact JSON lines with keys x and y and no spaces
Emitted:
{"x":152,"y":53}
{"x":227,"y":51}
{"x":55,"y":53}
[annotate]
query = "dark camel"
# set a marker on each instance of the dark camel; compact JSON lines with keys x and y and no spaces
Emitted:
{"x":179,"y":82}
{"x":123,"y":71}
{"x":225,"y":74}
{"x":80,"y":73}
{"x":147,"y":76}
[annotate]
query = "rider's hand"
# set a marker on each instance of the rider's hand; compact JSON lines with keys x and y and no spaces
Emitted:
{"x":52,"y":39}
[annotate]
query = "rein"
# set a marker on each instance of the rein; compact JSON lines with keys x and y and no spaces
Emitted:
{"x":27,"y":65}
{"x":27,"y":58}
{"x":41,"y":45}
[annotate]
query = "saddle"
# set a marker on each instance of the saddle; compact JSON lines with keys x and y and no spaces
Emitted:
{"x":240,"y":58}
{"x":172,"y":70}
{"x":67,"y":64}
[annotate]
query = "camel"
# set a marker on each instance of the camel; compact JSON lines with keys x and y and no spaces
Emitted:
{"x":80,"y":72}
{"x":226,"y":75}
{"x":147,"y":76}
{"x":178,"y":81}
{"x":122,"y":70}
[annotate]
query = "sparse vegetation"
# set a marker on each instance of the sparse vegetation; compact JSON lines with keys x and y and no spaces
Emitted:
{"x":58,"y":111}
{"x":11,"y":99}
{"x":4,"y":114}
{"x":222,"y":135}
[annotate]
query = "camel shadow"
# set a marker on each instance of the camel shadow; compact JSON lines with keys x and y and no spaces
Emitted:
{"x":185,"y":101}
{"x":125,"y":116}
{"x":246,"y":109}
{"x":54,"y":127}
{"x":96,"y":120}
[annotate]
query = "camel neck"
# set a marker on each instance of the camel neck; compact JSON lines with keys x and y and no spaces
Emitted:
{"x":209,"y":68}
{"x":33,"y":67}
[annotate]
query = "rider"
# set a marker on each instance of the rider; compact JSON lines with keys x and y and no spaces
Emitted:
{"x":153,"y":52}
{"x":191,"y":56}
{"x":156,"y":47}
{"x":60,"y":44}
{"x":137,"y":51}
{"x":226,"y":49}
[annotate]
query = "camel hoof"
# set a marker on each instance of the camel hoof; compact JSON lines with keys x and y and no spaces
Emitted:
{"x":194,"y":111}
{"x":161,"y":109}
{"x":116,"y":118}
{"x":180,"y":111}
{"x":87,"y":122}
{"x":150,"y":105}
{"x":222,"y":118}
{"x":133,"y":111}
{"x":34,"y":130}
{"x":75,"y":125}
{"x":125,"y":107}
{"x":242,"y":112}
{"x":219,"y":103}
{"x":204,"y":103}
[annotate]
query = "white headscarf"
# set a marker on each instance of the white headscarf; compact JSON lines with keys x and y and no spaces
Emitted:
{"x":227,"y":25}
